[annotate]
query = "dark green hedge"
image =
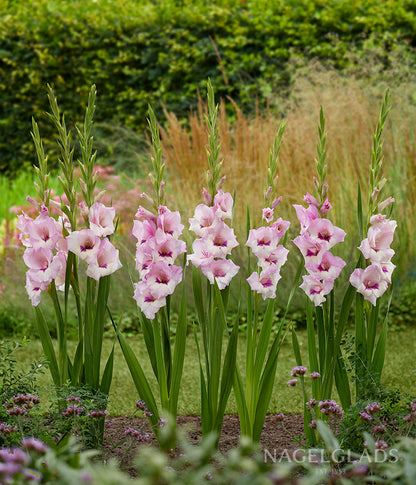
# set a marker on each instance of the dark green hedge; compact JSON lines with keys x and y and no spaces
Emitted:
{"x":162,"y":54}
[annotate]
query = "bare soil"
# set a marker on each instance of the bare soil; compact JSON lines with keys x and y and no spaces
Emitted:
{"x":277,"y":438}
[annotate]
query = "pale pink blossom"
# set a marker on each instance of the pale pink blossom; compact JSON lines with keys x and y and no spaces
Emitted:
{"x":200,"y":254}
{"x":268,"y":214}
{"x":169,"y":222}
{"x":60,"y":276}
{"x":23,"y":222}
{"x":43,"y":266}
{"x":220,"y":271}
{"x":262,"y":241}
{"x":107,"y":261}
{"x":311,"y":249}
{"x":279,"y":227}
{"x":204,"y":218}
{"x":43,"y":231}
{"x":330,"y":266}
{"x":146,"y":301}
{"x":220,"y":240}
{"x":101,"y":219}
{"x":265,"y":284}
{"x":166,"y":248}
{"x":143,"y":230}
{"x":223,"y":204}
{"x":316,"y":289}
{"x":162,"y":279}
{"x":34,"y":289}
{"x":277,"y":258}
{"x":325,"y":232}
{"x":387,"y":270}
{"x":306,"y":216}
{"x":84,"y":244}
{"x":369,"y":282}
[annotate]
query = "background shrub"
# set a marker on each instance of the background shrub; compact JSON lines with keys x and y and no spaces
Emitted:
{"x":162,"y":53}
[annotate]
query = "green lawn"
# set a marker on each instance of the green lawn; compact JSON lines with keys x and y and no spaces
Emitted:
{"x":399,"y":372}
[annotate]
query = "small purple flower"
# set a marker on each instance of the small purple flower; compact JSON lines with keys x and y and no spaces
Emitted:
{"x":365,"y":416}
{"x":315,"y":375}
{"x":299,"y":370}
{"x":162,"y":422}
{"x":381,"y":445}
{"x":373,"y":408}
{"x":16,"y":411}
{"x":72,"y":410}
{"x":97,"y":414}
{"x":380,"y":429}
{"x":292,"y":382}
{"x":312,"y":424}
{"x":141,"y":405}
{"x":279,"y":417}
{"x":34,"y":444}
{"x":74,"y":399}
{"x":311,"y":403}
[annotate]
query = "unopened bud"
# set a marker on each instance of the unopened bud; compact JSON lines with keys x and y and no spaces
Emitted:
{"x":268,"y":192}
{"x":385,"y":203}
{"x":33,"y":202}
{"x":324,"y":190}
{"x":276,"y":202}
{"x":221,"y":183}
{"x":146,"y":197}
{"x":207,"y":197}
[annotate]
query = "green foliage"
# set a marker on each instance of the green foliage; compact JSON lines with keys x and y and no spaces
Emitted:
{"x":139,"y":53}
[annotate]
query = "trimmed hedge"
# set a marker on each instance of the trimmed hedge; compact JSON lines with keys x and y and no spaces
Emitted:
{"x":137,"y":54}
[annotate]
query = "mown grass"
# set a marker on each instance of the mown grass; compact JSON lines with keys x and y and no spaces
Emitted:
{"x":399,"y":372}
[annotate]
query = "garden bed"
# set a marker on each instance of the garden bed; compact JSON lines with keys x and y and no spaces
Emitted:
{"x":277,"y":438}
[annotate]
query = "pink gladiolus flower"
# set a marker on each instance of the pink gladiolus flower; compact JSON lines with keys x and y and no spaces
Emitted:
{"x":23,"y":226}
{"x":204,"y":218}
{"x":265,"y":283}
{"x":369,"y":282}
{"x":268,"y":214}
{"x":277,"y":258}
{"x":34,"y":289}
{"x":101,"y":219}
{"x":262,"y":241}
{"x":201,"y":255}
{"x":387,"y":270}
{"x":43,"y":232}
{"x":330,"y":266}
{"x":325,"y":232}
{"x":311,"y":249}
{"x":169,"y":222}
{"x":376,"y":246}
{"x":162,"y":279}
{"x":43,"y":266}
{"x":143,"y":230}
{"x":107,"y":261}
{"x":223,"y":204}
{"x":306,"y":216}
{"x":220,"y":271}
{"x":60,"y":277}
{"x":84,"y":244}
{"x":317,"y":289}
{"x":166,"y":248}
{"x":220,"y":240}
{"x":279,"y":227}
